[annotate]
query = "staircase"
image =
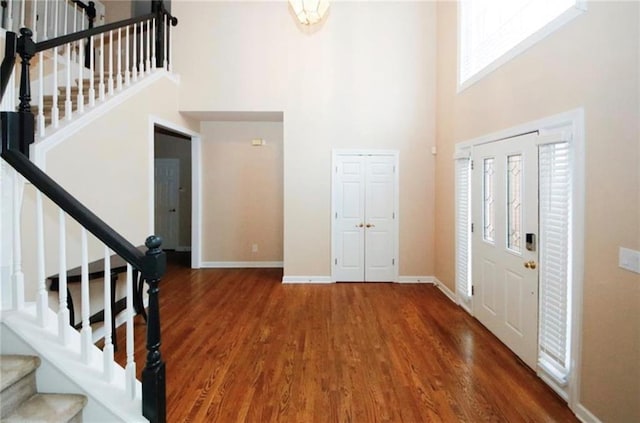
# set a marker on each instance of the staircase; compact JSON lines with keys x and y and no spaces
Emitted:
{"x":22,"y":403}
{"x":48,"y":100}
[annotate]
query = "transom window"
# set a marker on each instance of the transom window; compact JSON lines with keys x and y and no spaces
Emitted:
{"x":491,"y":32}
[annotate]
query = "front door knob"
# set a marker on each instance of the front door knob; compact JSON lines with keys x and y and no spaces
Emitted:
{"x":530,"y":264}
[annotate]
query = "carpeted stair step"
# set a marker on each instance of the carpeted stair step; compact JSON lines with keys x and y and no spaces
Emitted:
{"x":20,"y":401}
{"x":17,"y":381}
{"x":49,"y":408}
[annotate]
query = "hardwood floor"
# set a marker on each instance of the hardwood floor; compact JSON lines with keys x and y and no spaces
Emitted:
{"x":242,"y":347}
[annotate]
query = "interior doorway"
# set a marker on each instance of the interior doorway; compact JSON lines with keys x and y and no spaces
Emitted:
{"x":173,"y":193}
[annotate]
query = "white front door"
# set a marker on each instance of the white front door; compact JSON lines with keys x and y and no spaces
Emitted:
{"x":167,"y":182}
{"x":364,"y":228}
{"x":505,"y":251}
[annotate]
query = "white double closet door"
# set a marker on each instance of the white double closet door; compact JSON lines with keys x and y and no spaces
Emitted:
{"x":364,"y":217}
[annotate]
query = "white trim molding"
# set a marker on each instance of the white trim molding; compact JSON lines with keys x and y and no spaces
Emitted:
{"x":415,"y":279}
{"x":240,"y":264}
{"x":585,"y":416}
{"x":445,"y":290}
{"x":307,"y":279}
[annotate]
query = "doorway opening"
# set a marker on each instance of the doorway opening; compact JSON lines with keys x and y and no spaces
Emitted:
{"x":173,"y":194}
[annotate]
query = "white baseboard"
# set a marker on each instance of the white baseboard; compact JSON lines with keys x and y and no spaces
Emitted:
{"x":584,"y":415}
{"x":307,"y":279}
{"x":415,"y":279}
{"x":239,"y":264}
{"x":445,"y":290}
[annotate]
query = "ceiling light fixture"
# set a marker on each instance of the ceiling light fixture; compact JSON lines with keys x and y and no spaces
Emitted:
{"x":309,"y":12}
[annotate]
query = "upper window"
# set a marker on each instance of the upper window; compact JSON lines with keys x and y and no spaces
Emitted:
{"x":491,"y":32}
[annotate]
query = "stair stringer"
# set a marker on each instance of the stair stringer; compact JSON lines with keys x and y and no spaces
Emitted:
{"x":62,"y":370}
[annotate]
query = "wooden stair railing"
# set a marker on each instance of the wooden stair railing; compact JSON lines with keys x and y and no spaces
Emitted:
{"x":17,"y":134}
{"x":89,"y":66}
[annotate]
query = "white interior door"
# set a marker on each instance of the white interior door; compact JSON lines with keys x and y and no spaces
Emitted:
{"x":365,"y":227}
{"x":167,"y":212}
{"x":505,"y":257}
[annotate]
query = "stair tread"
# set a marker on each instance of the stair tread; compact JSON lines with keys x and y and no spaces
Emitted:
{"x":48,"y":408}
{"x":15,"y":367}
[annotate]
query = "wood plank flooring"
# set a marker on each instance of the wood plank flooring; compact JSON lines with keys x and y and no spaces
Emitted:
{"x":242,"y":347}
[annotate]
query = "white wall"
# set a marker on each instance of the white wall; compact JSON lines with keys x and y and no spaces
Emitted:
{"x":365,"y":78}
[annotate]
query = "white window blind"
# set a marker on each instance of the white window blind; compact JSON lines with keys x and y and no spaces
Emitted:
{"x":555,"y":258}
{"x":491,"y":28}
{"x":463,"y":229}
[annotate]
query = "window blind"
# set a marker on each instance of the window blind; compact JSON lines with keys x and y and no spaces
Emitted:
{"x":555,"y":259}
{"x":463,"y":264}
{"x":490,"y":28}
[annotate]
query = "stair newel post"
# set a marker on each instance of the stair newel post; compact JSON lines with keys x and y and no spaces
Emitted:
{"x":26,"y":50}
{"x":153,"y":376}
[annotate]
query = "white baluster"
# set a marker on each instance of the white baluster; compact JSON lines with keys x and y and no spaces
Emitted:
{"x":23,"y":12}
{"x":63,"y":311}
{"x":110,"y":85}
{"x":42,"y":303}
{"x":80,"y":77}
{"x":134,"y":70}
{"x":141,"y":52}
{"x":170,"y":46}
{"x":127,"y":68}
{"x":153,"y":45}
{"x":131,"y":364}
{"x":56,"y":14}
{"x":92,"y":73}
{"x":108,"y":344}
{"x":75,"y":29}
{"x":10,"y":16}
{"x":85,"y":332}
{"x":41,"y":121}
{"x":34,"y":21}
{"x":18,"y":275}
{"x":119,"y":72}
{"x":148,"y":50}
{"x":45,"y":29}
{"x":55,"y":114}
{"x":101,"y":87}
{"x":68,"y":104}
{"x":165,"y":46}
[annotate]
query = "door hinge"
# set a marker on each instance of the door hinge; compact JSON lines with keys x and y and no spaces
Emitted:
{"x":394,"y":169}
{"x":335,"y":261}
{"x":473,"y":291}
{"x":393,"y":215}
{"x":336,"y":215}
{"x":336,"y":169}
{"x":393,"y":262}
{"x":472,"y":228}
{"x":471,"y":164}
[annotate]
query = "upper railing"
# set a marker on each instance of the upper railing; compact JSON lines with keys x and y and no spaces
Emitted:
{"x":149,"y":42}
{"x":79,"y":70}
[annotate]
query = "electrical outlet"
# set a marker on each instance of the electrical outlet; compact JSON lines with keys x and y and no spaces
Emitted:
{"x":629,"y":259}
{"x":254,"y":248}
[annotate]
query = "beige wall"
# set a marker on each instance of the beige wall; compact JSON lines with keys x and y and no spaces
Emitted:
{"x":106,"y":166}
{"x":592,"y":63}
{"x":242,"y":193}
{"x":365,"y":78}
{"x":172,"y":147}
{"x":117,"y":10}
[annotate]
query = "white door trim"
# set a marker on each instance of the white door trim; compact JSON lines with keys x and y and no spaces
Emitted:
{"x":196,"y":178}
{"x":335,"y":154}
{"x":574,"y":121}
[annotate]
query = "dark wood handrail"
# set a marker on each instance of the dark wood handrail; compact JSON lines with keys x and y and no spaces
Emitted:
{"x":85,"y":217}
{"x":81,"y":35}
